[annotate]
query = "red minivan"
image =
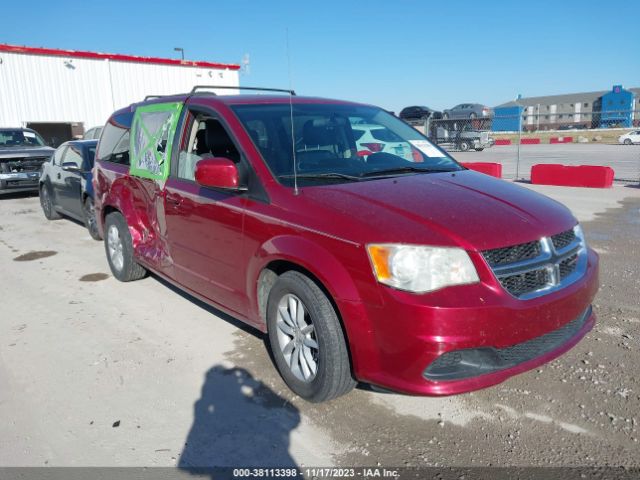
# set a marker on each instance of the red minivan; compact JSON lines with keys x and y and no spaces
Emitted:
{"x":380,"y":260}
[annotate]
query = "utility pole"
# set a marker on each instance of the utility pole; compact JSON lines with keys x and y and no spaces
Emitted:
{"x":519,"y":136}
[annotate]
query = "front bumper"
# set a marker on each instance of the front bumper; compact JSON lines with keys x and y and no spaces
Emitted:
{"x":481,"y":144}
{"x":408,"y":333}
{"x":19,"y":182}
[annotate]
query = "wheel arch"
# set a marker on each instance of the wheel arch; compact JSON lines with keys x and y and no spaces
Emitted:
{"x":288,"y":253}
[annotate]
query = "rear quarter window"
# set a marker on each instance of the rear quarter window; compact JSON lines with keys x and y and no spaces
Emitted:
{"x":114,"y":141}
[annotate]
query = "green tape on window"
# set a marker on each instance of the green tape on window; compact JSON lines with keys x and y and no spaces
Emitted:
{"x":152,"y":134}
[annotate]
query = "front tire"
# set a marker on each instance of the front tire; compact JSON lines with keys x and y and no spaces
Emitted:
{"x":306,"y":339}
{"x":627,"y":141}
{"x":464,"y":147}
{"x":89,"y":215}
{"x":46,"y":202}
{"x":119,"y":249}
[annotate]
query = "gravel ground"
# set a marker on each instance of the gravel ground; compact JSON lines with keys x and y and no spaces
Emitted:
{"x":95,"y":372}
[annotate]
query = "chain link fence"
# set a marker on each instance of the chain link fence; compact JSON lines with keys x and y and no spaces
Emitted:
{"x":520,"y":141}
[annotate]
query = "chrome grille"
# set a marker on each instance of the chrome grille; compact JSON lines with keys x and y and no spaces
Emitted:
{"x":500,"y":256}
{"x":568,"y":265}
{"x":521,"y":283}
{"x":535,"y":268}
{"x":561,"y":240}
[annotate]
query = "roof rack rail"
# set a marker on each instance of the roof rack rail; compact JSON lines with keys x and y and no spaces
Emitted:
{"x":227,"y":87}
{"x":148,"y":97}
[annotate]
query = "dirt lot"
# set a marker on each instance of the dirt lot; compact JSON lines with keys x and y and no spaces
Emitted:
{"x":96,"y":372}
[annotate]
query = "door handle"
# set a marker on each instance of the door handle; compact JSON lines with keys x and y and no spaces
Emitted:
{"x":59,"y":176}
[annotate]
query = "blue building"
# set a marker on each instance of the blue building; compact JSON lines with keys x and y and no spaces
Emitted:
{"x":616,"y":108}
{"x":600,"y":109}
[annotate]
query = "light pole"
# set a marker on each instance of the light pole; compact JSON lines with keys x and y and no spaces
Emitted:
{"x":181,"y":50}
{"x":519,"y":136}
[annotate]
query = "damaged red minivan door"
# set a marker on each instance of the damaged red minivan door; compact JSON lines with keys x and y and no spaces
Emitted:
{"x":204,"y":222}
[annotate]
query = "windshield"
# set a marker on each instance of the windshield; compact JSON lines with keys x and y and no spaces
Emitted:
{"x":20,"y":138}
{"x":339,"y":143}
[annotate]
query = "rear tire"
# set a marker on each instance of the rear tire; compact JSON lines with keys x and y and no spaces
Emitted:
{"x":306,"y":339}
{"x":89,"y":215}
{"x":445,"y":116}
{"x":119,"y":249}
{"x":464,"y":147}
{"x":46,"y":202}
{"x":479,"y":149}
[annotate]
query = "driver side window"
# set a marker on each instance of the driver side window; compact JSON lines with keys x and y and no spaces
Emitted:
{"x":191,"y":153}
{"x":207,"y":138}
{"x":58,"y":155}
{"x":73,"y":155}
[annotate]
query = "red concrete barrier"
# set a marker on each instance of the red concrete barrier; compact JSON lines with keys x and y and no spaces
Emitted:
{"x":503,"y":141}
{"x":493,"y":169}
{"x":529,"y":141}
{"x":561,"y":140}
{"x":572,"y":176}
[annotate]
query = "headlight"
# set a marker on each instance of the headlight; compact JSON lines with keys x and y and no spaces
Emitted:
{"x":421,"y":269}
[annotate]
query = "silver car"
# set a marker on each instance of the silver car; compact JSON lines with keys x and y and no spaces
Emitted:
{"x":468,"y":110}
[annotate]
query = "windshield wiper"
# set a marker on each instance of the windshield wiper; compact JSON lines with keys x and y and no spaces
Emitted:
{"x":407,"y":169}
{"x":329,"y":175}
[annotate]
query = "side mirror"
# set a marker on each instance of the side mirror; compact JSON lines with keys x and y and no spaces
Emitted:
{"x":71,"y":167}
{"x":217,"y":172}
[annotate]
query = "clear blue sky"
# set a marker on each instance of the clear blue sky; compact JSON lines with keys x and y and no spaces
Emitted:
{"x":390,"y":53}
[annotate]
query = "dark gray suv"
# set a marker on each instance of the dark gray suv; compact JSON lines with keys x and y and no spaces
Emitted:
{"x":22,"y":153}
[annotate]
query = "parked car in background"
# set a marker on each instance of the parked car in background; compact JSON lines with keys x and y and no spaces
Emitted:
{"x":22,"y":153}
{"x":65,"y":184}
{"x":468,"y":110}
{"x":419,"y":113}
{"x":377,"y":138}
{"x":92,"y":133}
{"x":572,"y":126}
{"x":630,"y":138}
{"x":413,"y":274}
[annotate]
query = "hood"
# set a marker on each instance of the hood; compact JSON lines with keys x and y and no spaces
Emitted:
{"x":466,"y":209}
{"x":25,"y":152}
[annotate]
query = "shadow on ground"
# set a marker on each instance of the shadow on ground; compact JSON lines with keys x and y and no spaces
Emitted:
{"x":238,"y":420}
{"x":14,"y":195}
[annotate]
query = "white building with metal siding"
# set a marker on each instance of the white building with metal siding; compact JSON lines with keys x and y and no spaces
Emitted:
{"x":56,"y":91}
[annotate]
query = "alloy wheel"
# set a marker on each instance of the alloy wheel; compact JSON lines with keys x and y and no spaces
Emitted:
{"x":46,"y":200}
{"x":90,"y":215}
{"x":297,"y":338}
{"x":114,"y":244}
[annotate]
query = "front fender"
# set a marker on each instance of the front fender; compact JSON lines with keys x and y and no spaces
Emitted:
{"x":333,"y":275}
{"x":310,"y":256}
